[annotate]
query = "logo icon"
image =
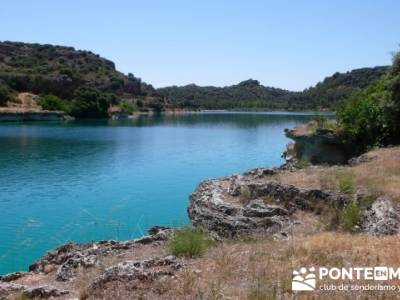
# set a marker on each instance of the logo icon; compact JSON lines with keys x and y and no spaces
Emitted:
{"x":304,"y":280}
{"x":381,"y":273}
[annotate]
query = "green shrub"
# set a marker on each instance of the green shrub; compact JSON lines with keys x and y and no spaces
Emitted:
{"x":350,"y":216}
{"x":245,"y":194}
{"x":5,"y":94}
{"x":128,"y":107}
{"x":156,"y":105}
{"x":89,"y":102}
{"x":189,"y":242}
{"x":320,"y":120}
{"x":51,"y":102}
{"x":345,"y":182}
{"x":302,"y":163}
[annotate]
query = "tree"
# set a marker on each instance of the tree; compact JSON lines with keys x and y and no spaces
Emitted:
{"x":88,"y":102}
{"x":5,"y":94}
{"x":51,"y":102}
{"x":371,"y":117}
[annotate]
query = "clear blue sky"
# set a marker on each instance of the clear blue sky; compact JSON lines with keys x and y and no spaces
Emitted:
{"x":287,"y":44}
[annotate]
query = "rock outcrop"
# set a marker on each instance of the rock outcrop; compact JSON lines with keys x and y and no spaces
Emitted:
{"x":383,"y":217}
{"x":67,"y":258}
{"x":318,"y":146}
{"x":138,"y":272}
{"x":62,"y":266}
{"x":253,"y":203}
{"x":28,"y":292}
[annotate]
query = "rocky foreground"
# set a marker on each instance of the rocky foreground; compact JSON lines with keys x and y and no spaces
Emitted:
{"x":265,"y":221}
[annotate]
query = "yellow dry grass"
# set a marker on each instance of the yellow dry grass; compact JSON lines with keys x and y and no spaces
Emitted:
{"x":380,"y":176}
{"x":262,"y":268}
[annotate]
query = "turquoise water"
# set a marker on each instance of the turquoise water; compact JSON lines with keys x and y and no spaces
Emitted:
{"x":84,"y":181}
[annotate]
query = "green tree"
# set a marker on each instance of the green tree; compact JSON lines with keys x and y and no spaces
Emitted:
{"x":371,"y":117}
{"x":5,"y":94}
{"x":88,"y":102}
{"x":51,"y":102}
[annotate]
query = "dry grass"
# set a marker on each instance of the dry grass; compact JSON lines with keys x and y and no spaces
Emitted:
{"x":380,"y":176}
{"x":261,"y":269}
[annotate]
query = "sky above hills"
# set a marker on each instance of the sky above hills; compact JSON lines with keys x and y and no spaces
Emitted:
{"x":286,"y":44}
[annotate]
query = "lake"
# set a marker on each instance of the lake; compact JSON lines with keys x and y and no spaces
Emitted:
{"x":83,"y":181}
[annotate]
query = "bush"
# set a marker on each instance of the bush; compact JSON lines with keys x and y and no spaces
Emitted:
{"x":156,"y":105}
{"x":320,"y":120}
{"x":89,"y":102}
{"x":302,"y":163}
{"x":345,"y":182}
{"x":128,"y":107}
{"x":245,"y":194}
{"x":189,"y":242}
{"x":51,"y":102}
{"x":5,"y":94}
{"x":350,"y":216}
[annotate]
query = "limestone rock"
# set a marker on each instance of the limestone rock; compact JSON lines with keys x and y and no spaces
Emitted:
{"x":30,"y":292}
{"x":137,"y":272}
{"x":361,"y":159}
{"x":67,"y":258}
{"x":383,"y":217}
{"x":242,"y":204}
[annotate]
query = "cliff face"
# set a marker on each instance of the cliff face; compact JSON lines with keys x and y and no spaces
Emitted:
{"x":317,"y":147}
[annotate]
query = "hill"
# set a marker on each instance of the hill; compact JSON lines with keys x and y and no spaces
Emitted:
{"x":86,"y":85}
{"x":82,"y":81}
{"x":250,"y":94}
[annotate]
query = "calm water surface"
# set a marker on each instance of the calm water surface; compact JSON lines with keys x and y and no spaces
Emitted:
{"x":84,"y":181}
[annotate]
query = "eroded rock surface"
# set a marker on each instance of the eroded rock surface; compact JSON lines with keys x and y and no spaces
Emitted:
{"x":67,"y":258}
{"x":253,"y":203}
{"x":383,"y":217}
{"x":137,"y":273}
{"x":6,"y":288}
{"x":62,"y":265}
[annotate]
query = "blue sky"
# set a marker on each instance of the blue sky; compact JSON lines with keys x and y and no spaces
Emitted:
{"x":287,"y":44}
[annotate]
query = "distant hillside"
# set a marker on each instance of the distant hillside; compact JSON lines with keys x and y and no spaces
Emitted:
{"x":74,"y":76}
{"x":246,"y":94}
{"x":250,"y":94}
{"x":86,"y":85}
